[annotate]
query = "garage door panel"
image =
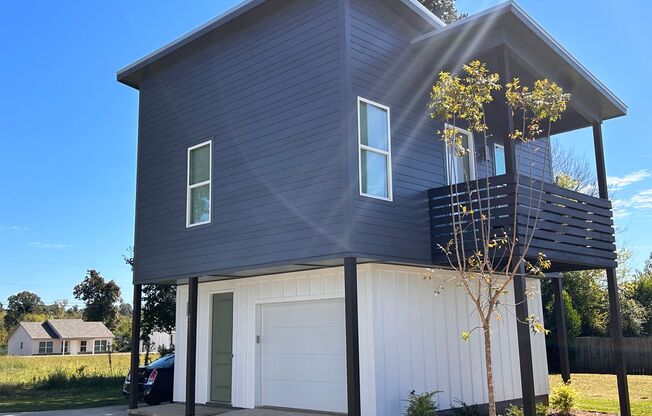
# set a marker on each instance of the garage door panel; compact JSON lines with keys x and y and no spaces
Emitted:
{"x":328,"y":368}
{"x":330,"y":397}
{"x":312,"y":340}
{"x":315,"y":313}
{"x":303,"y":355}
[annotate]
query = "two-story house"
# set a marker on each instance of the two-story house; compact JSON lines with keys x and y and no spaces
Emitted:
{"x":287,"y":172}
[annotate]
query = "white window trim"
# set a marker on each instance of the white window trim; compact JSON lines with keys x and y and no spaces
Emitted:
{"x":471,"y":153}
{"x":387,"y":153}
{"x":207,"y":182}
{"x":501,"y":146}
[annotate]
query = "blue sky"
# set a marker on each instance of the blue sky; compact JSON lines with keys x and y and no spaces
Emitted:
{"x":68,"y":129}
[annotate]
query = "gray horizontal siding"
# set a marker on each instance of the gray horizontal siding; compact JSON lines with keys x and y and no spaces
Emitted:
{"x":267,"y":91}
{"x":384,"y":69}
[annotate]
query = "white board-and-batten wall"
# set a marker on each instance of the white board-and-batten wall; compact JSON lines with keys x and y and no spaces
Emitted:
{"x":410,"y":337}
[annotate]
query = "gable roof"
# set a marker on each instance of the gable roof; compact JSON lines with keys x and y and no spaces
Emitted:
{"x":38,"y":330}
{"x":129,"y":74}
{"x":65,"y":329}
{"x":76,"y":328}
{"x":510,"y":17}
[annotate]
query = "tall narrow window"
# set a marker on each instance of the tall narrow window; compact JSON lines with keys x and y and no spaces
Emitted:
{"x":461,"y":168}
{"x":375,"y":150}
{"x":499,"y":159}
{"x":199,"y":185}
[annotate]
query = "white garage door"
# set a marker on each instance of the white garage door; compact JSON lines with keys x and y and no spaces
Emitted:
{"x":304,"y":355}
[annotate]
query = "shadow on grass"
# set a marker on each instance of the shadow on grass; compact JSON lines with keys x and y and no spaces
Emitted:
{"x":35,"y":400}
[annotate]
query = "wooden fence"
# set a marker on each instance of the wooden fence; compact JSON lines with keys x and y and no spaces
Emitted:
{"x":595,"y":355}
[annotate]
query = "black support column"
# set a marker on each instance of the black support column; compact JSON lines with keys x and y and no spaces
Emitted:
{"x":135,"y":347}
{"x":615,"y":319}
{"x":524,"y":342}
{"x":352,"y":344}
{"x":191,"y":350}
{"x":520,"y":282}
{"x":560,"y":320}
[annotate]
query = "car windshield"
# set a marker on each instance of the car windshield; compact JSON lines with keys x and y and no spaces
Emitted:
{"x":163,"y":362}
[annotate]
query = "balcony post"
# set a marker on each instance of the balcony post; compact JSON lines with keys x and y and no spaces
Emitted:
{"x":191,"y":350}
{"x":135,"y":350}
{"x":510,"y":150}
{"x":562,"y":335}
{"x":524,"y":342}
{"x":615,"y":319}
{"x":520,"y":280}
{"x":352,"y":342}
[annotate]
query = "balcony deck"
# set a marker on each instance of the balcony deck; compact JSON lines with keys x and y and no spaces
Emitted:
{"x":575,"y":231}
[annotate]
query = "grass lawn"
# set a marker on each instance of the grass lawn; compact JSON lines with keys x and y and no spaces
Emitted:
{"x":33,"y":400}
{"x":599,"y":393}
{"x":61,"y":382}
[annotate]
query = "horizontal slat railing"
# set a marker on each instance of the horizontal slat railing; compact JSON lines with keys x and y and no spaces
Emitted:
{"x":574,"y":230}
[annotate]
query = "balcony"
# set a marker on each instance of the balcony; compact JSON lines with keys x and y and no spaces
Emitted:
{"x":575,"y":231}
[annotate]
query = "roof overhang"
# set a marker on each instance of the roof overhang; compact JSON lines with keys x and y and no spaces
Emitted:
{"x":131,"y":74}
{"x":532,"y":54}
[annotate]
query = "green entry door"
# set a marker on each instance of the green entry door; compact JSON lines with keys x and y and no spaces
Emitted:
{"x":222,"y":347}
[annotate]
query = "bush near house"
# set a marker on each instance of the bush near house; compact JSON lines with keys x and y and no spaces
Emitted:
{"x":61,"y":382}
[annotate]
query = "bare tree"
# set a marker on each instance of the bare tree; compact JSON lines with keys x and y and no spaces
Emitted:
{"x":573,"y":171}
{"x":488,"y":250}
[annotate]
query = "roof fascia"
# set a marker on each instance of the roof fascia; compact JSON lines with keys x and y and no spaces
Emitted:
{"x":235,"y":11}
{"x":425,"y":13}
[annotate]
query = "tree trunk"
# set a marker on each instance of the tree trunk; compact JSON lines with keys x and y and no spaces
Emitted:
{"x":490,"y":370}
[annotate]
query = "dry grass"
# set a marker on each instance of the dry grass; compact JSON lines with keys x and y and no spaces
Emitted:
{"x":61,"y":382}
{"x":599,"y":393}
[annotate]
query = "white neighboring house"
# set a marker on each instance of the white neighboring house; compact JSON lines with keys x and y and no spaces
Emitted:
{"x":59,"y":336}
{"x":159,"y":339}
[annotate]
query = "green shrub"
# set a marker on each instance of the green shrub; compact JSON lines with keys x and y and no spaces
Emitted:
{"x":421,"y":404}
{"x":514,"y":410}
{"x":541,"y":409}
{"x":464,"y":409}
{"x":563,"y":398}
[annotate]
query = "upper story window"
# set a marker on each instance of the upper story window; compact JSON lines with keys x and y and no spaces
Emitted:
{"x":199,"y":184}
{"x":375,"y":150}
{"x":461,"y":168}
{"x":499,"y":159}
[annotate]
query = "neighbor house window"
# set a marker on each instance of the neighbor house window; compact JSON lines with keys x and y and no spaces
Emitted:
{"x":45,"y":347}
{"x":82,"y":346}
{"x":199,"y":185}
{"x":65,"y":347}
{"x":375,"y":150}
{"x":461,"y":168}
{"x":101,"y":345}
{"x":499,"y":159}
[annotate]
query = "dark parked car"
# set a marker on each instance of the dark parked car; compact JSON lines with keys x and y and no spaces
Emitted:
{"x":155,"y":381}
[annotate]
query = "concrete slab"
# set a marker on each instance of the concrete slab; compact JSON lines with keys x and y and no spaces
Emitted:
{"x":272,"y":412}
{"x":175,"y":409}
{"x":178,"y":409}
